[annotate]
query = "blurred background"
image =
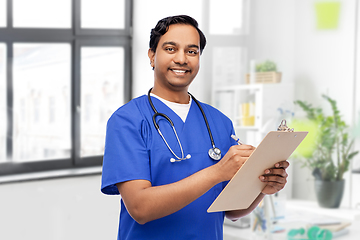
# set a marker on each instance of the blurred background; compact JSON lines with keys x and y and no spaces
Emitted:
{"x":66,"y":65}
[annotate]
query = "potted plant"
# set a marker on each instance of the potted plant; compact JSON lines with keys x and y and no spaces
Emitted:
{"x":330,"y":156}
{"x":266,"y":72}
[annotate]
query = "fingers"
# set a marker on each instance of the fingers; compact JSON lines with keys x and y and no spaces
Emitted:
{"x":276,"y":171}
{"x":233,"y":160}
{"x":244,"y":147}
{"x":282,"y":164}
{"x":242,"y":150}
{"x":278,"y":175}
{"x":273,"y":183}
{"x":275,"y":178}
{"x":238,"y":154}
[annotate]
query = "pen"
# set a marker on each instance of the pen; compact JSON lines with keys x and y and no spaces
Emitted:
{"x":237,"y":139}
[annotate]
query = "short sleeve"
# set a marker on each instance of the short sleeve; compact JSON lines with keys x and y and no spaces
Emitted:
{"x":125,"y":156}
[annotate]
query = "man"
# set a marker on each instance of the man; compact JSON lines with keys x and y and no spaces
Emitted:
{"x":166,"y":179}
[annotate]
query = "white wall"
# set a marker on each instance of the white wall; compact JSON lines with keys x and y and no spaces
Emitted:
{"x":355,"y":193}
{"x":324,"y":59}
{"x":58,"y":209}
{"x":324,"y":64}
{"x":316,"y":61}
{"x":272,"y":34}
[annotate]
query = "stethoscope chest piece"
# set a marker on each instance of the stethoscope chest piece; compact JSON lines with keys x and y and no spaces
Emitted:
{"x":215,"y":153}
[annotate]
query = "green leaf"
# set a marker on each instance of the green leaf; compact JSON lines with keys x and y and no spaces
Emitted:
{"x":330,"y":153}
{"x":267,"y":66}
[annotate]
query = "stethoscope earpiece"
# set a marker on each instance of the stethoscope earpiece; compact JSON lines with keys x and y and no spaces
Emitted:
{"x":180,"y":159}
{"x":214,"y":152}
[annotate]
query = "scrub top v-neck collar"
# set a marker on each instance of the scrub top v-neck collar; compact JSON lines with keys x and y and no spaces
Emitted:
{"x":182,"y":110}
{"x":163,"y":108}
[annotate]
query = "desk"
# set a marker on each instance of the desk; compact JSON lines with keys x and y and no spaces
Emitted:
{"x":297,"y":213}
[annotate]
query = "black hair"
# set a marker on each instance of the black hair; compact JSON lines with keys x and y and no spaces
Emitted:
{"x":163,"y":26}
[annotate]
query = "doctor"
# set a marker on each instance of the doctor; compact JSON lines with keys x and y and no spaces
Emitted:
{"x":168,"y":179}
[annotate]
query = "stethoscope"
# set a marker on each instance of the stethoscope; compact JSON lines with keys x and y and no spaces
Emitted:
{"x":214,"y":152}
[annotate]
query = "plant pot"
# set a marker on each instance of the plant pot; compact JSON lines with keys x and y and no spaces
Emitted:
{"x":265,"y":77}
{"x":329,"y":193}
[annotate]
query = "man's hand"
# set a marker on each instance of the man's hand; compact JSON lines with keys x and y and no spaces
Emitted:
{"x":275,"y":178}
{"x":233,"y":160}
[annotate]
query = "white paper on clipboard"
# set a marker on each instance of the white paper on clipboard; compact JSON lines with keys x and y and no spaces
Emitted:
{"x":245,"y":186}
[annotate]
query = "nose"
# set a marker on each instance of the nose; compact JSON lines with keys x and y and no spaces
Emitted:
{"x":180,"y":58}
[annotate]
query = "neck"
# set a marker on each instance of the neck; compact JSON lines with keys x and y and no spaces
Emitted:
{"x":181,"y":97}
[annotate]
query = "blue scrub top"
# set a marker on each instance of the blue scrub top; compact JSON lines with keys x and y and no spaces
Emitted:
{"x":135,"y":150}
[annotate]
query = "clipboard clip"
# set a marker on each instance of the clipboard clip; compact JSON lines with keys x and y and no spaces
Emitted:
{"x":283,"y":127}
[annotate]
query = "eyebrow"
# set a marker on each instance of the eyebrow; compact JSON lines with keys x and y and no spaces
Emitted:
{"x":175,"y":44}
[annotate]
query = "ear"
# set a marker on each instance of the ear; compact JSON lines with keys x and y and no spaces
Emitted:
{"x":151,"y":55}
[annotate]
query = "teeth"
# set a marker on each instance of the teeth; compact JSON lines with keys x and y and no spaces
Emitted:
{"x":179,"y":71}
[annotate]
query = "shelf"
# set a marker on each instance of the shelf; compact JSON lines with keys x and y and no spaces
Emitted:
{"x":255,"y":128}
{"x":240,"y":87}
{"x":313,"y":207}
{"x":260,"y":102}
{"x":248,"y":86}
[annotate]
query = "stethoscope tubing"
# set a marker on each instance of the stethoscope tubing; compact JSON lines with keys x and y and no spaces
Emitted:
{"x":205,"y":118}
{"x":217,"y":151}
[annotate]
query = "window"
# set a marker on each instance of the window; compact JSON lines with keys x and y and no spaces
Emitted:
{"x":3,"y":122}
{"x":61,"y":76}
{"x":108,"y":14}
{"x":2,"y":13}
{"x":101,"y":88}
{"x":51,"y":14}
{"x":41,"y":89}
{"x":226,"y":20}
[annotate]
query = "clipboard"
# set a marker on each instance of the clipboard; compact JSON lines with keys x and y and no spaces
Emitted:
{"x":245,"y":186}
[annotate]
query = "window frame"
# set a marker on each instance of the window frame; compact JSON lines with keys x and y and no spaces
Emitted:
{"x":90,"y":31}
{"x":76,"y":38}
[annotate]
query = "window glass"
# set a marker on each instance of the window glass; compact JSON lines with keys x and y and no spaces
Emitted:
{"x":42,"y":13}
{"x":102,"y":80}
{"x":41,"y":83}
{"x":225,"y":19}
{"x":3,"y":122}
{"x":103,"y":14}
{"x":3,"y":13}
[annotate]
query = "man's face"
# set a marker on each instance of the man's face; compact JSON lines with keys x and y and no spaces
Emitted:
{"x":176,"y":60}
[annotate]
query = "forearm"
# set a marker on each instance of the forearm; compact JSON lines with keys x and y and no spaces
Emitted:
{"x":145,"y":202}
{"x":154,"y":202}
{"x":236,"y":214}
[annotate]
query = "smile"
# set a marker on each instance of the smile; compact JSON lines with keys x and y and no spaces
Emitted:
{"x":178,"y":71}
